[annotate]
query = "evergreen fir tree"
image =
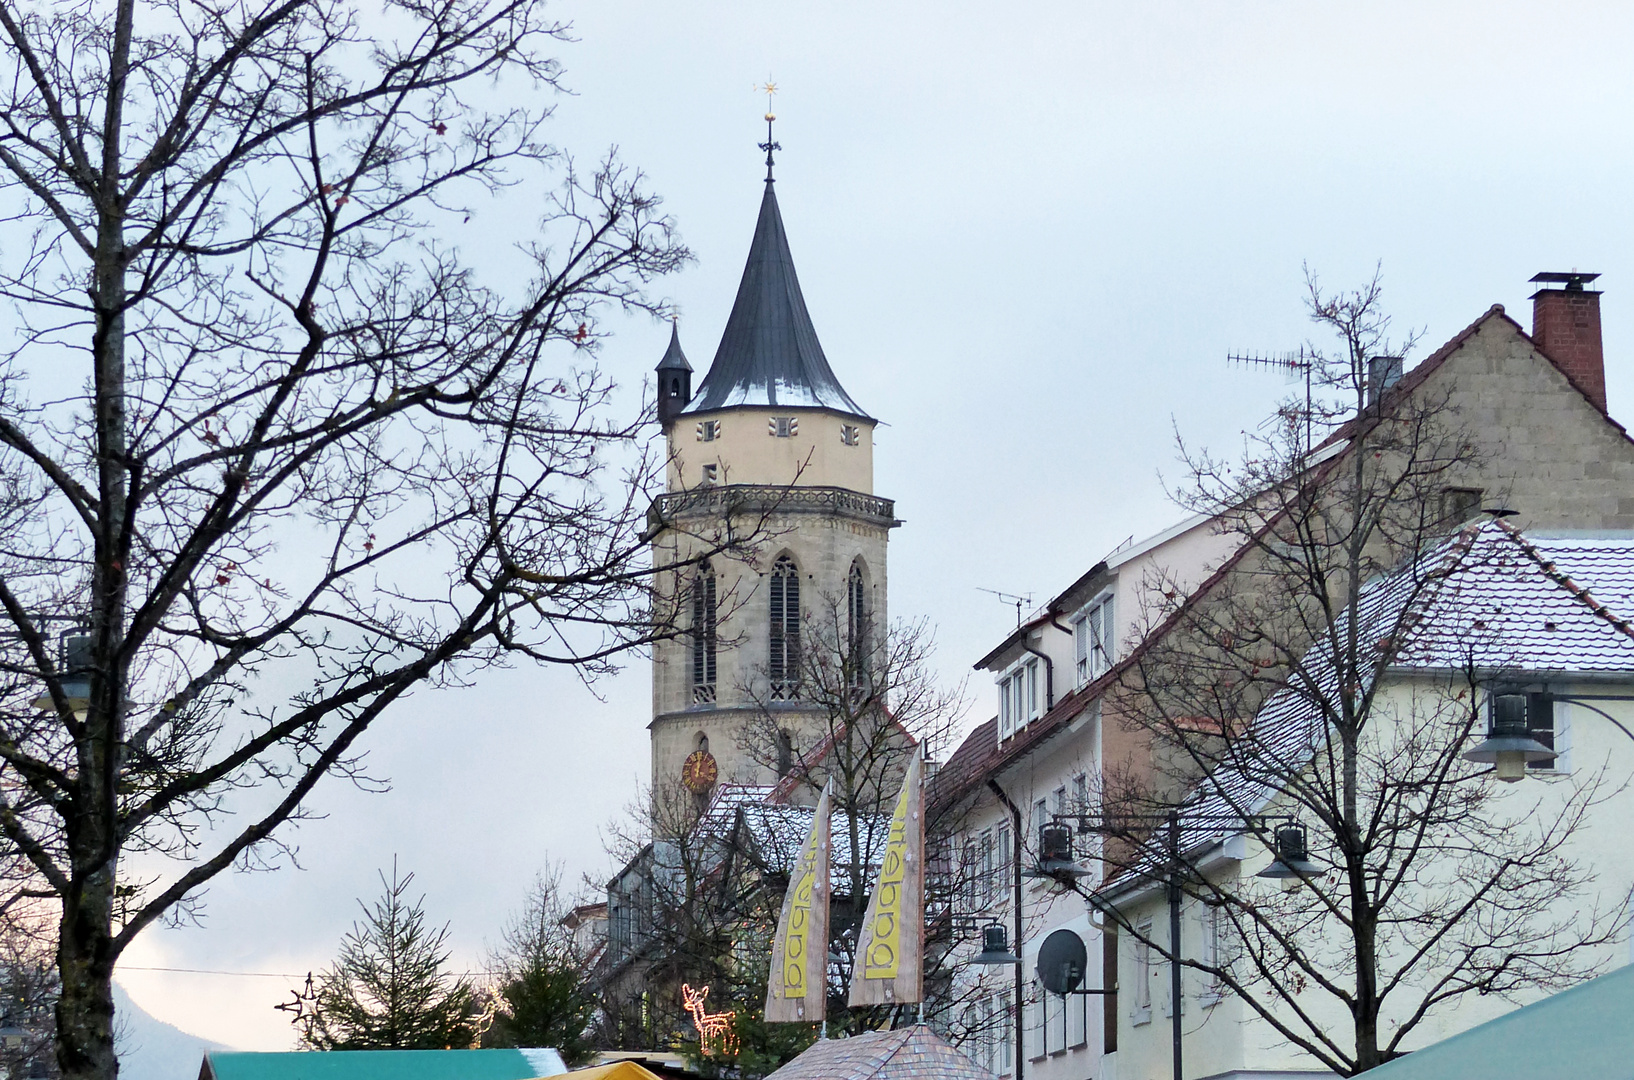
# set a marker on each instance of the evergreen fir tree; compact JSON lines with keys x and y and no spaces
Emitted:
{"x":543,"y":980}
{"x":389,"y":990}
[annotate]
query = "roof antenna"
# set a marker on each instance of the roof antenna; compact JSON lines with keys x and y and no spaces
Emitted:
{"x":1010,"y":598}
{"x":769,"y":88}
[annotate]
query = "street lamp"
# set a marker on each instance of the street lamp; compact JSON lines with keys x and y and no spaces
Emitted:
{"x":74,"y":662}
{"x":1509,"y":745}
{"x":1292,"y":863}
{"x":1055,"y":861}
{"x":1055,"y":855}
{"x":995,"y":947}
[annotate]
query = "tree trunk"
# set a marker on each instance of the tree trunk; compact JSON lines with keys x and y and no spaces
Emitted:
{"x":85,"y":1049}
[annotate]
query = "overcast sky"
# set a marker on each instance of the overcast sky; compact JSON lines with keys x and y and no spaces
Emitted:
{"x":1028,"y":235}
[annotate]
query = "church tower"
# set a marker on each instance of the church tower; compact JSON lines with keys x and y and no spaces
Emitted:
{"x":770,"y":440}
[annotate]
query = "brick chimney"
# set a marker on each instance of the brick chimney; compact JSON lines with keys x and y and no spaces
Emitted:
{"x":1566,"y":326}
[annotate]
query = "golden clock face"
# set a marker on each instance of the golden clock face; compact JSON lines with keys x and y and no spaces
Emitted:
{"x":699,"y":772}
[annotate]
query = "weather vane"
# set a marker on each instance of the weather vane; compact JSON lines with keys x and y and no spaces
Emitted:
{"x":769,"y":88}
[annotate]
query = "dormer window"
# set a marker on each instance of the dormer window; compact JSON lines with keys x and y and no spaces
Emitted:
{"x":1093,"y":640}
{"x":709,"y":430}
{"x":1019,"y":697}
{"x":850,"y":434}
{"x":783,"y":427}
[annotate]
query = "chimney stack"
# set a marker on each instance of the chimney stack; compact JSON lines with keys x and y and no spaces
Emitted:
{"x":1566,"y":327}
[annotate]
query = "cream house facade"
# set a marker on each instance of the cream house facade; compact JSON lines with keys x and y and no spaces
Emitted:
{"x":1550,"y":457}
{"x":1555,"y":616}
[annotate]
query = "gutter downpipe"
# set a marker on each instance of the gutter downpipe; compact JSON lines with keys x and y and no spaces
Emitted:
{"x":1049,"y":675}
{"x":1015,"y":832}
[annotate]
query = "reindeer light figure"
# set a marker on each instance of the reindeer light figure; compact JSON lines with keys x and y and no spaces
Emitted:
{"x":714,"y":1029}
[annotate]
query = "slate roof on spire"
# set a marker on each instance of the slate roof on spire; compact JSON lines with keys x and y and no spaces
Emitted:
{"x":674,"y":358}
{"x":769,"y":354}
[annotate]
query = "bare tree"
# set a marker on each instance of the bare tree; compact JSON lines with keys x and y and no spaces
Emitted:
{"x":1267,"y":683}
{"x":270,"y":448}
{"x":868,"y":700}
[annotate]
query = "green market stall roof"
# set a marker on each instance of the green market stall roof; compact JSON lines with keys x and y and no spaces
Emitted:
{"x":383,"y":1065}
{"x":1584,"y":1031}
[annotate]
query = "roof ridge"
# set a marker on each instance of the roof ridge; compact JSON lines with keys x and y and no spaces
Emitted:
{"x":1579,"y":592}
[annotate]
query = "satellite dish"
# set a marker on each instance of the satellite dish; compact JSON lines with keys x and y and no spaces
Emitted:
{"x":1061,"y":962}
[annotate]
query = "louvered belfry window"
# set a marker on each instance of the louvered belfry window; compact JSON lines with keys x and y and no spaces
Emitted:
{"x":856,"y":623}
{"x":783,"y":661}
{"x":703,"y":636}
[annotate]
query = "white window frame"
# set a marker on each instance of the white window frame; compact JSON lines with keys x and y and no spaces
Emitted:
{"x":1562,"y":762}
{"x":1141,"y":1000}
{"x":986,"y":868}
{"x":1020,"y":702}
{"x":1035,"y":1022}
{"x":1211,"y":950}
{"x":1077,"y":1021}
{"x":1094,"y":638}
{"x":1007,"y":1036}
{"x":1001,"y":862}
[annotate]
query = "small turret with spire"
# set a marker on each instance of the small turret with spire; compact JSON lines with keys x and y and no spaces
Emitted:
{"x":674,"y":377}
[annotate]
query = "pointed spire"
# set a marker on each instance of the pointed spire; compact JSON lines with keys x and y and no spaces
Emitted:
{"x":769,"y":354}
{"x":674,"y":358}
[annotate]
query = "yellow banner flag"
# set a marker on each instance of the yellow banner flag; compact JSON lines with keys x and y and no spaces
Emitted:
{"x":888,"y":967}
{"x":797,"y":990}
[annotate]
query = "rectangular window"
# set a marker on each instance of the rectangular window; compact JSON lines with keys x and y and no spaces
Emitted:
{"x":850,"y":434}
{"x":1007,"y":1035}
{"x":1001,"y":862}
{"x":1007,"y":718}
{"x":1143,"y":973}
{"x":1077,"y":1021}
{"x":1032,"y":690}
{"x":1080,"y":793}
{"x":1540,"y":717}
{"x":967,"y":876}
{"x":987,"y":867}
{"x":1055,"y":1023}
{"x":1458,"y":505}
{"x":1211,"y":951}
{"x":1035,"y":1023}
{"x":709,"y":430}
{"x":1093,"y":638}
{"x":711,"y":473}
{"x":783,"y":427}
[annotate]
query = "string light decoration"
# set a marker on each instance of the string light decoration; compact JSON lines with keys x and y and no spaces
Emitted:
{"x":302,"y":1006}
{"x":714,"y":1029}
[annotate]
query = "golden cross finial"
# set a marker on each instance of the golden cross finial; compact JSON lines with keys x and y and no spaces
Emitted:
{"x":769,"y":88}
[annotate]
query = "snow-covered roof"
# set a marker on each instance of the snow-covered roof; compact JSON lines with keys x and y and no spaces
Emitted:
{"x":1490,"y":598}
{"x":776,"y":832}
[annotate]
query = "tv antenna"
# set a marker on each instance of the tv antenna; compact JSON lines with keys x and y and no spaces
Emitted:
{"x":1010,"y":598}
{"x":1296,"y":363}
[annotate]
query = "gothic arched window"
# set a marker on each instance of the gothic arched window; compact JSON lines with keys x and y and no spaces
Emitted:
{"x":856,"y":608}
{"x":703,"y":636}
{"x":783,"y":659}
{"x":856,"y":623}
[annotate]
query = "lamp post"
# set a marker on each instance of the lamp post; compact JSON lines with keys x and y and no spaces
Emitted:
{"x":1509,"y":746}
{"x":1291,"y":865}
